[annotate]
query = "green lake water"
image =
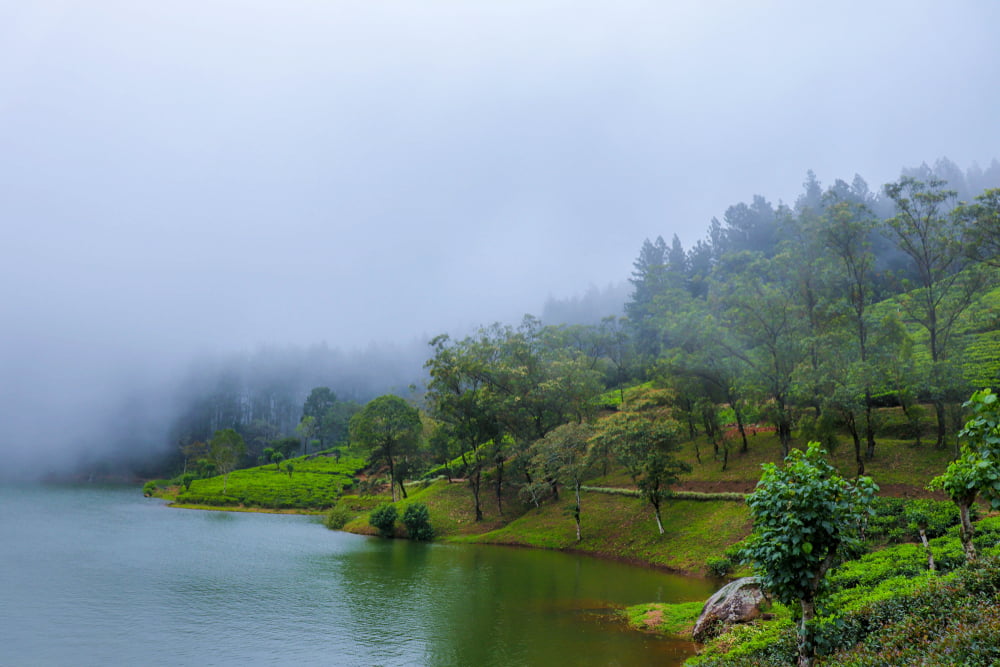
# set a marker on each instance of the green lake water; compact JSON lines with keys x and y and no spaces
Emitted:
{"x":94,"y":575}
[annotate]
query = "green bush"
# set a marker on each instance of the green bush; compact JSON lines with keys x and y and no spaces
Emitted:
{"x":383,"y":518}
{"x":719,"y":566}
{"x":898,"y":520}
{"x":337,"y":517}
{"x":149,"y":488}
{"x":417,"y":519}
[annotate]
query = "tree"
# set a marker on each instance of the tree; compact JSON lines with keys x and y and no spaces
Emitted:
{"x":982,"y":227}
{"x":383,"y":519}
{"x":848,"y":227}
{"x":563,"y":456}
{"x":320,"y":405}
{"x":767,"y":336}
{"x":271,"y":455}
{"x":644,"y":446}
{"x":458,"y":394}
{"x":806,"y":517}
{"x":417,"y":519}
{"x":388,"y":427}
{"x":192,"y":451}
{"x":977,"y":470}
{"x":306,"y":430}
{"x":224,"y":451}
{"x":945,"y":285}
{"x":649,"y":281}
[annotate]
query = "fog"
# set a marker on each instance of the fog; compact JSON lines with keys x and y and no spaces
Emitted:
{"x":185,"y":180}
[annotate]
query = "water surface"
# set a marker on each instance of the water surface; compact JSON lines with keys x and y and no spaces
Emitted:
{"x":99,"y":575}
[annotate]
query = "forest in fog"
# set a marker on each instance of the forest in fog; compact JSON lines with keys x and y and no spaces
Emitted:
{"x":807,"y":315}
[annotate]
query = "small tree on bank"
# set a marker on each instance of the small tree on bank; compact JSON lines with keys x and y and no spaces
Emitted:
{"x":645,"y":447}
{"x":562,"y":457}
{"x":388,"y":427}
{"x":224,"y":451}
{"x":806,"y":518}
{"x":977,"y":470}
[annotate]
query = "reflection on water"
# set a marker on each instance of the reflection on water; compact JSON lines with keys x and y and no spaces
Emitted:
{"x":101,"y":575}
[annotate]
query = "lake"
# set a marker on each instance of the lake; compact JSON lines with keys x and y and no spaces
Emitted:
{"x":98,"y":575}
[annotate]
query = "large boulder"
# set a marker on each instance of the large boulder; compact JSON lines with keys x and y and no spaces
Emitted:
{"x":736,"y":602}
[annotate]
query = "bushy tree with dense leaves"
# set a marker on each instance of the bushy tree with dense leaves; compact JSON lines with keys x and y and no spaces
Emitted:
{"x":806,"y":518}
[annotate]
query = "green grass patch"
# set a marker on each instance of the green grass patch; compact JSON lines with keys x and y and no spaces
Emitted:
{"x":676,"y":620}
{"x":623,"y":528}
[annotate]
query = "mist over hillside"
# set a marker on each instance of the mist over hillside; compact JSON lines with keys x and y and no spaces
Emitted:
{"x":186,"y":183}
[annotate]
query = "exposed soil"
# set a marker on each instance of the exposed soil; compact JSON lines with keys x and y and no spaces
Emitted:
{"x":652,"y":619}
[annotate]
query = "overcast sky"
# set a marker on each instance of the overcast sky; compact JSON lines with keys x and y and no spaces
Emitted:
{"x":209,"y":175}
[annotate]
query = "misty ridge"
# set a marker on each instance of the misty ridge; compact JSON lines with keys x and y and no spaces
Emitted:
{"x":138,"y":426}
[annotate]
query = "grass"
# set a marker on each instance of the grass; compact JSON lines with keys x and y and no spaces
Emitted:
{"x":623,"y":528}
{"x":676,"y":620}
{"x":896,"y":462}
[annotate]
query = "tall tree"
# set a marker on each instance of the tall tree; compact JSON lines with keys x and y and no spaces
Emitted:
{"x":306,"y":430}
{"x":848,"y":226}
{"x":649,"y":281}
{"x":981,"y":220}
{"x":766,"y":326}
{"x":388,"y":427}
{"x":224,"y":451}
{"x":924,"y":230}
{"x":320,"y":401}
{"x":457,"y":393}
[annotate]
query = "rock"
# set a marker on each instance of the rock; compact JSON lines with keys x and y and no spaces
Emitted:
{"x":736,"y":602}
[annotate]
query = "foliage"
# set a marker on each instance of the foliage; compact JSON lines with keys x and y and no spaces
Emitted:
{"x":752,"y":645}
{"x":383,"y":519}
{"x":318,"y":484}
{"x":388,"y":428}
{"x":899,"y":520}
{"x":977,"y":470}
{"x":719,"y":566}
{"x":224,"y":451}
{"x":806,"y":517}
{"x":337,"y":517}
{"x":417,"y":519}
{"x":644,"y":447}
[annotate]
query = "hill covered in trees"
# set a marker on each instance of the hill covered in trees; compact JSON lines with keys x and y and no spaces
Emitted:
{"x":852,"y":316}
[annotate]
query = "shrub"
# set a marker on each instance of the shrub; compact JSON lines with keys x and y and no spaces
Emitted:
{"x":719,"y":566}
{"x":149,"y":488}
{"x":337,"y":518}
{"x":418,"y":522}
{"x":383,"y":518}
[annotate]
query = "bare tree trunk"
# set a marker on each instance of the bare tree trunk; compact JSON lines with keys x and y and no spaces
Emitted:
{"x":804,"y":640}
{"x":869,"y":427}
{"x":942,"y":425}
{"x":967,"y":532}
{"x":852,"y":427}
{"x":499,"y":488}
{"x":927,"y":548}
{"x":743,"y":431}
{"x":576,"y":512}
{"x":656,"y":511}
{"x":475,"y":483}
